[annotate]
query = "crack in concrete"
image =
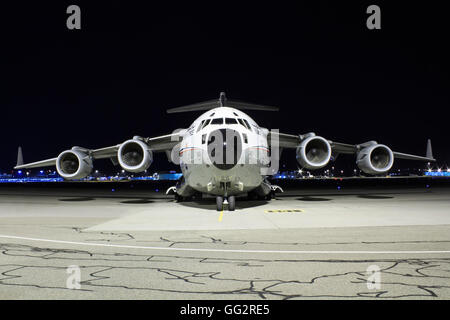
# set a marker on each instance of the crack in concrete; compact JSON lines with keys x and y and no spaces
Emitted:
{"x":115,"y":271}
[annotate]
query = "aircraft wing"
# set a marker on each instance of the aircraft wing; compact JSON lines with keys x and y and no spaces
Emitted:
{"x":285,"y":140}
{"x":292,"y":141}
{"x":38,"y":164}
{"x":406,"y":156}
{"x":156,"y":144}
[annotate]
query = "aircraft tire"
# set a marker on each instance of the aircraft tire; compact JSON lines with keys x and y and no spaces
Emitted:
{"x":219,"y":203}
{"x":231,"y":203}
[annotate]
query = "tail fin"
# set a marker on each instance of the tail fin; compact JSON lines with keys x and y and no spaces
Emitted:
{"x":221,"y":102}
{"x":429,"y":150}
{"x":19,"y":157}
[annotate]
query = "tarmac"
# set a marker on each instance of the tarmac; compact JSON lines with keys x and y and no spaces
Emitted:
{"x":358,"y":243}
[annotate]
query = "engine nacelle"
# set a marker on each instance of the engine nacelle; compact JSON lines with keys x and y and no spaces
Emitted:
{"x":134,"y":156}
{"x":313,"y":153}
{"x":375,"y":159}
{"x":74,"y":164}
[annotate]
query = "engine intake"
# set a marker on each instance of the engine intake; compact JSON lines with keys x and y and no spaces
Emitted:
{"x":313,"y":153}
{"x":375,"y":159}
{"x":134,"y":156}
{"x":74,"y":164}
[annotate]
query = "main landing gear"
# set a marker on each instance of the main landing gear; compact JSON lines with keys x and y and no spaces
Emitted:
{"x":231,"y":203}
{"x":231,"y":200}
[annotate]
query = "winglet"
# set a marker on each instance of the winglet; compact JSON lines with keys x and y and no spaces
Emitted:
{"x":19,"y":157}
{"x":429,"y":150}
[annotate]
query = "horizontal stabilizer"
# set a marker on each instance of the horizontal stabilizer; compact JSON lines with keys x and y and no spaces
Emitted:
{"x":222,"y":102}
{"x":250,"y":106}
{"x":201,"y":106}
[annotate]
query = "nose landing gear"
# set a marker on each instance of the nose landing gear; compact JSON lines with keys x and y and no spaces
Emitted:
{"x":231,"y":200}
{"x":219,"y":203}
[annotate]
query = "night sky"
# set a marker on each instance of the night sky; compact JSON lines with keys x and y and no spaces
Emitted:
{"x":317,"y":61}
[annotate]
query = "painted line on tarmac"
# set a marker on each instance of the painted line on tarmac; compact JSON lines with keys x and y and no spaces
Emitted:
{"x":284,"y":211}
{"x":224,"y":250}
{"x":221,"y":216}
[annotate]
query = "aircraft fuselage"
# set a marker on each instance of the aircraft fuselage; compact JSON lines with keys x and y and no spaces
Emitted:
{"x":222,"y":153}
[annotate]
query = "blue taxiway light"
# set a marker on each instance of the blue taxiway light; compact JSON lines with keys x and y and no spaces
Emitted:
{"x":437,"y":174}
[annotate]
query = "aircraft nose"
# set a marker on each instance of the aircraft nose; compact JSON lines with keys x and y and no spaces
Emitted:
{"x":224,"y":148}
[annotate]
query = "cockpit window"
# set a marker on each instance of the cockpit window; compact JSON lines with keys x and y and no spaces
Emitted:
{"x":247,"y":125}
{"x":244,"y":123}
{"x":231,"y":121}
{"x":206,"y":123}
{"x":217,"y":121}
{"x":200,"y":126}
{"x":241,"y":123}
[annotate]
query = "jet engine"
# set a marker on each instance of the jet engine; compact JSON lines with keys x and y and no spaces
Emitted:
{"x":134,"y":155}
{"x":375,"y":159}
{"x":74,"y":164}
{"x":313,"y":153}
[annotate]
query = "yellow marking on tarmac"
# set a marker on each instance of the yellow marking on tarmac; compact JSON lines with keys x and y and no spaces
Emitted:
{"x":284,"y":211}
{"x":221,"y":216}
